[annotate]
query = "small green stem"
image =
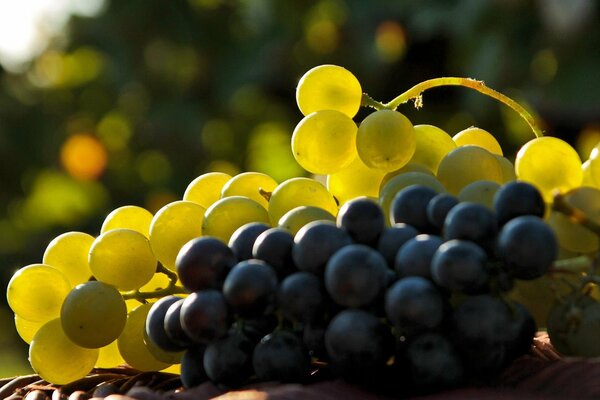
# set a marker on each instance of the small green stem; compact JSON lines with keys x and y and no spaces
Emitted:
{"x":579,"y":264}
{"x":368,"y":101}
{"x":561,"y":205}
{"x":157,"y":294}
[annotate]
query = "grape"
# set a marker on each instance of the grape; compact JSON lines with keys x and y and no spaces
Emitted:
{"x":297,"y":192}
{"x":584,"y":340}
{"x":358,"y":344}
{"x":561,"y":319}
{"x":56,"y":359}
{"x":410,"y":207}
{"x":122,"y":258}
{"x":192,"y":367}
{"x":414,"y":305}
{"x":478,"y":137}
{"x":257,"y":328}
{"x":228,"y":214}
{"x":573,"y":236}
{"x":250,"y":288}
{"x":392,"y":239}
{"x":155,"y":324}
{"x":109,"y":356}
{"x":587,"y":200}
{"x":206,"y":189}
{"x":130,"y":217}
{"x":432,"y":146}
{"x":27,"y":329}
{"x":459,"y":265}
{"x":467,"y":164}
{"x":36,"y":292}
{"x":410,"y":167}
{"x":591,"y":172}
{"x":173,"y":226}
{"x":228,"y":361}
{"x":386,"y":140}
{"x":329,"y":87}
{"x":315,"y":243}
{"x":324,"y":142}
{"x":173,"y":327}
{"x":354,"y":180}
{"x":242,"y":240}
{"x":414,"y":257}
{"x":93,"y":314}
{"x":523,"y":328}
{"x":204,"y":316}
{"x":298,"y":217}
{"x":439,"y":207}
{"x":516,"y":199}
{"x":282,"y":357}
{"x":363,"y":219}
{"x":480,"y":192}
{"x":301,"y":297}
{"x":549,"y":164}
{"x":204,"y":263}
{"x":69,"y":254}
{"x":508,"y":169}
{"x":274,"y":246}
{"x":249,"y":184}
{"x":356,"y":275}
{"x":471,"y":221}
{"x":528,"y":247}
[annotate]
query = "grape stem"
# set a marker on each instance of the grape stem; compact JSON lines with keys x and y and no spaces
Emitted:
{"x":415,"y":93}
{"x":172,"y":288}
{"x":561,"y":205}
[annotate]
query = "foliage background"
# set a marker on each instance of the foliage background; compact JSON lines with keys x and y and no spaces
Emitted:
{"x":129,"y":105}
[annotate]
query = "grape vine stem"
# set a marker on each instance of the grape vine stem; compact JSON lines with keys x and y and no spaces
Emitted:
{"x":172,"y":288}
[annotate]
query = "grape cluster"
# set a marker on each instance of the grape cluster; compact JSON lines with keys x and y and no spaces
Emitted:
{"x":423,"y":262}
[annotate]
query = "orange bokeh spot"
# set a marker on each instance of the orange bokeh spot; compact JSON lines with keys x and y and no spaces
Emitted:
{"x":83,"y":156}
{"x":390,"y":41}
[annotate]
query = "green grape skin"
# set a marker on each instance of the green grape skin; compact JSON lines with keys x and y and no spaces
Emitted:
{"x":129,"y":217}
{"x":550,"y":164}
{"x":410,"y":167}
{"x":69,"y":254}
{"x":587,"y":200}
{"x":481,"y":192}
{"x":399,"y":182}
{"x":433,"y":144}
{"x":573,"y":236}
{"x":109,"y":356}
{"x":508,"y":169}
{"x":56,"y":358}
{"x":467,"y":164}
{"x":353,"y":181}
{"x":131,"y":343}
{"x":161,"y":355}
{"x":249,"y":184}
{"x":591,"y":172}
{"x":122,"y":258}
{"x":93,"y":314}
{"x":27,"y":329}
{"x":296,"y":192}
{"x":584,"y":341}
{"x":296,"y":218}
{"x":558,"y":325}
{"x":206,"y":189}
{"x":324,"y":142}
{"x":386,"y":140}
{"x":36,"y":292}
{"x":226,"y":215}
{"x":174,"y":225}
{"x":478,"y":137}
{"x":329,"y":87}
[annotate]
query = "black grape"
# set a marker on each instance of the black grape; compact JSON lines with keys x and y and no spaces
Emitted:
{"x":363,"y":219}
{"x":192,"y":367}
{"x":256,"y":328}
{"x":518,"y":198}
{"x":414,"y":257}
{"x":460,"y":265}
{"x":274,"y":246}
{"x":410,"y":206}
{"x":474,"y":222}
{"x":155,"y":325}
{"x":439,"y":207}
{"x":242,"y":240}
{"x":228,"y":360}
{"x":250,"y":288}
{"x":301,"y":297}
{"x":281,"y":356}
{"x":392,"y":239}
{"x":173,"y":327}
{"x":523,"y":329}
{"x":204,"y":315}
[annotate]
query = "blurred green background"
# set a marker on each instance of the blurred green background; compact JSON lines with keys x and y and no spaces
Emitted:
{"x":107,"y":103}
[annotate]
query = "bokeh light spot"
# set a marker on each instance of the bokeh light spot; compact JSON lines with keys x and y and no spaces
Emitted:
{"x":390,"y":41}
{"x":83,"y":156}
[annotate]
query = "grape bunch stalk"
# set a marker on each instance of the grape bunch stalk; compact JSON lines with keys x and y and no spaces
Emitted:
{"x":426,"y":261}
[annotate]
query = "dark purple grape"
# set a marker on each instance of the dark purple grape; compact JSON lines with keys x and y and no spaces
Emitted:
{"x":460,"y":265}
{"x":392,"y":239}
{"x":523,"y":329}
{"x":257,"y":328}
{"x":528,"y":247}
{"x":474,"y":222}
{"x":414,"y":257}
{"x":274,"y":246}
{"x":155,"y":325}
{"x":410,"y":207}
{"x":242,"y":240}
{"x":173,"y":327}
{"x":315,"y":243}
{"x":250,"y":288}
{"x":204,"y":316}
{"x":301,"y":297}
{"x":518,"y":198}
{"x":439,"y":207}
{"x":356,"y":275}
{"x":192,"y":367}
{"x":203,"y":263}
{"x":228,"y":360}
{"x":363,"y":219}
{"x":281,"y":356}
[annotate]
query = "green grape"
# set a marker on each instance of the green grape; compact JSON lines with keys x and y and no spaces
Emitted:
{"x":296,"y":218}
{"x":591,"y":172}
{"x":296,"y":192}
{"x":433,"y":144}
{"x":250,"y":184}
{"x":131,"y":343}
{"x":329,"y":87}
{"x":324,"y":142}
{"x":161,"y":355}
{"x":558,"y":325}
{"x":130,"y":217}
{"x":549,"y":164}
{"x":206,"y":189}
{"x":353,"y":181}
{"x":587,"y":200}
{"x":93,"y":314}
{"x":36,"y":292}
{"x":122,"y":258}
{"x":69,"y":254}
{"x":467,"y":164}
{"x":410,"y":167}
{"x":573,"y":236}
{"x":56,"y":358}
{"x":27,"y":329}
{"x":399,"y":182}
{"x":109,"y":356}
{"x":508,"y":169}
{"x":481,"y":192}
{"x":386,"y":140}
{"x":173,"y":226}
{"x":158,"y":282}
{"x":226,"y":215}
{"x":478,"y":137}
{"x":584,"y":341}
